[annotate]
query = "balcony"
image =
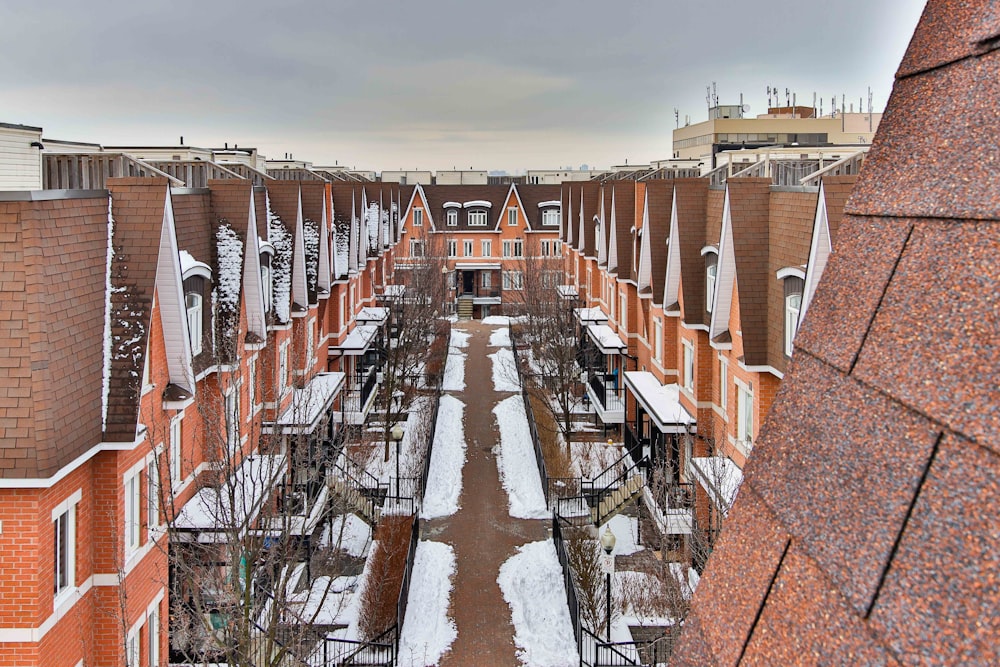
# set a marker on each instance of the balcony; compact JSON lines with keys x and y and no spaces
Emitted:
{"x":359,"y":396}
{"x":607,"y":396}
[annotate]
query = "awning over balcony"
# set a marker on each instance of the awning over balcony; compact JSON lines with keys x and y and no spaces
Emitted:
{"x":235,"y":505}
{"x":590,"y":316}
{"x":477,"y":266}
{"x":308,"y":405}
{"x":720,"y":477}
{"x":605,"y":338}
{"x":357,"y":342}
{"x":660,"y":401}
{"x":568,"y":291}
{"x":373,"y":316}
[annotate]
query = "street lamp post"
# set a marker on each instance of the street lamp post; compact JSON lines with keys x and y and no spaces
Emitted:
{"x":608,"y":544}
{"x":396,"y":434}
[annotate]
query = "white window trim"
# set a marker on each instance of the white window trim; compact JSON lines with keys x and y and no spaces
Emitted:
{"x":486,"y":247}
{"x":791,"y":322}
{"x":67,"y":507}
{"x":195,"y":318}
{"x":744,"y":411}
{"x":711,"y":276}
{"x":724,"y":386}
{"x":418,"y":217}
{"x":132,"y":516}
{"x":688,"y":361}
{"x":478,"y":218}
{"x":175,"y":451}
{"x":451,"y":216}
{"x":152,"y":499}
{"x":512,"y":216}
{"x":467,"y":248}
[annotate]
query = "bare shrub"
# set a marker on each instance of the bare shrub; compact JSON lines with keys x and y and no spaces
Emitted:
{"x":385,"y":576}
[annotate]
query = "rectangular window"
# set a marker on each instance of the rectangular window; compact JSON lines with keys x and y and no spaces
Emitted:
{"x":688,"y":366}
{"x":545,"y":248}
{"x":233,"y":418}
{"x":132,"y":504}
{"x":65,"y":548}
{"x":658,"y":339}
{"x":467,"y":248}
{"x":477,"y":218}
{"x":557,"y":248}
{"x":512,"y":217}
{"x":513,"y":280}
{"x":132,"y":650}
{"x":623,"y":311}
{"x":252,"y":383}
{"x":153,"y":636}
{"x":176,"y":469}
{"x":518,"y":248}
{"x":487,"y":248}
{"x":452,"y":216}
{"x":416,"y":248}
{"x":793,"y":303}
{"x":550,"y":217}
{"x":744,"y":414}
{"x":507,"y":248}
{"x":282,"y":379}
{"x":723,"y":384}
{"x":487,"y":278}
{"x":711,"y":271}
{"x":418,"y":217}
{"x":452,"y":248}
{"x":152,"y":499}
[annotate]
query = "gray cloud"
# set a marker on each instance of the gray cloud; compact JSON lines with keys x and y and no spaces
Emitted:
{"x":494,"y":85}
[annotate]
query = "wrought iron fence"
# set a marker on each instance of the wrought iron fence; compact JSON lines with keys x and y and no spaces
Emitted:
{"x":530,"y":414}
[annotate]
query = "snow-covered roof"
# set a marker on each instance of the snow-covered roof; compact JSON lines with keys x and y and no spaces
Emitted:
{"x":357,"y":341}
{"x":588,"y":315}
{"x":478,"y":203}
{"x":453,"y":204}
{"x":553,"y":202}
{"x":247,"y":488}
{"x":308,"y":404}
{"x":567,"y":291}
{"x":661,"y":401}
{"x":394,"y":290}
{"x":376,"y":316}
{"x":605,"y":337}
{"x":192,"y":267}
{"x":720,"y":477}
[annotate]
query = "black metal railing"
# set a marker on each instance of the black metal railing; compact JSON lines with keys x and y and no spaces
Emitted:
{"x":530,"y":414}
{"x":608,"y":390}
{"x":572,"y":601}
{"x":426,"y":468}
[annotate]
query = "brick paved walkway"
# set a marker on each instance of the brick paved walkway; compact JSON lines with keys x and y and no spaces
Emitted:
{"x":481,"y":532}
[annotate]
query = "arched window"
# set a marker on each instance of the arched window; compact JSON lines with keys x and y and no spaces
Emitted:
{"x":265,"y":283}
{"x":793,"y":304}
{"x":193,"y":304}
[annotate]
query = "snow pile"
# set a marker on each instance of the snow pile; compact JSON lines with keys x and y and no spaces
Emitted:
{"x":348,"y":533}
{"x":281,"y":264}
{"x":427,"y":632}
{"x":532,"y":584}
{"x":444,"y":481}
{"x":516,"y":461}
{"x":106,"y":371}
{"x":459,"y":338}
{"x":500,"y":337}
{"x":626,"y":532}
{"x":454,"y":365}
{"x":373,"y":220}
{"x":226,"y":293}
{"x":504,"y":370}
{"x":341,"y":249}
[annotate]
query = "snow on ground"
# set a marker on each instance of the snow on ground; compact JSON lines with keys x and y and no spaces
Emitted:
{"x":532,"y":584}
{"x":427,"y":632}
{"x":444,"y":481}
{"x":626,"y":531}
{"x":592,"y":458}
{"x":409,"y":460}
{"x":459,"y":338}
{"x":348,"y":532}
{"x":504,"y":370}
{"x":516,"y":461}
{"x":454,"y":371}
{"x":500,"y":337}
{"x":495,"y":320}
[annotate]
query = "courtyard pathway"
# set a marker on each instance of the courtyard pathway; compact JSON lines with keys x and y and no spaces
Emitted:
{"x":482,"y":533}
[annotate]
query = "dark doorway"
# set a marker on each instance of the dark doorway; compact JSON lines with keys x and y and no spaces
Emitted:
{"x":468,"y":282}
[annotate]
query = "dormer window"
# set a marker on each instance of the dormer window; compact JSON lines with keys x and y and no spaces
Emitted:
{"x":452,"y":218}
{"x":550,"y":217}
{"x":711,"y":272}
{"x":793,"y":304}
{"x":477,"y":218}
{"x":193,"y":304}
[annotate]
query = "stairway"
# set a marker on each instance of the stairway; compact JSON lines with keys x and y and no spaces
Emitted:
{"x":465,"y":308}
{"x":360,"y":492}
{"x":614,"y":501}
{"x":356,"y":501}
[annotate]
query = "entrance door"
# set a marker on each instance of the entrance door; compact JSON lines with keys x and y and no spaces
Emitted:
{"x":468,"y":282}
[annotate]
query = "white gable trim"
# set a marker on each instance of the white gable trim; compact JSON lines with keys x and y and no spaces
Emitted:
{"x":819,"y":251}
{"x":613,"y":237}
{"x":645,"y":272}
{"x":300,"y":291}
{"x":253,"y":290}
{"x":170,"y":294}
{"x":581,"y":238}
{"x":566,"y":222}
{"x":324,"y":250}
{"x":672,"y":284}
{"x":725,"y":277}
{"x":602,"y":250}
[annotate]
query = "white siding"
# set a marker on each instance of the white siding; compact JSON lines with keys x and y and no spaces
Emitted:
{"x":20,"y":163}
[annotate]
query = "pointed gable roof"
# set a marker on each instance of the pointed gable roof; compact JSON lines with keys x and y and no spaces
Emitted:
{"x":658,"y":208}
{"x":531,"y":196}
{"x":691,"y":205}
{"x":317,"y":238}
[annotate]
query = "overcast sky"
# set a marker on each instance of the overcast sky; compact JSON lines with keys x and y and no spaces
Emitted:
{"x":432,"y":84}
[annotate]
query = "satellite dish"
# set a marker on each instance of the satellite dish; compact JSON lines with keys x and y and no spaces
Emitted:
{"x":746,"y":107}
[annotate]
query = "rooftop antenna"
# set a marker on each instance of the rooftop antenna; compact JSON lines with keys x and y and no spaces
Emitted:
{"x":741,"y":105}
{"x":715,"y":96}
{"x":814,"y":104}
{"x":870,"y":122}
{"x":677,"y":118}
{"x":708,"y":96}
{"x":769,"y":96}
{"x":821,"y":106}
{"x":787,"y":97}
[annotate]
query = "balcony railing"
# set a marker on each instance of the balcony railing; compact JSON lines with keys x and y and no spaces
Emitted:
{"x":356,"y":396}
{"x":479,"y":292}
{"x":608,"y":391}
